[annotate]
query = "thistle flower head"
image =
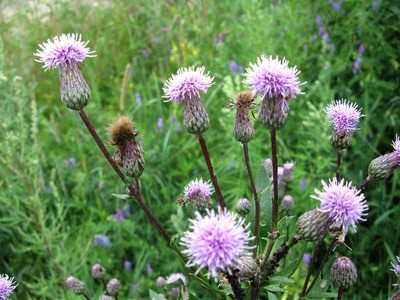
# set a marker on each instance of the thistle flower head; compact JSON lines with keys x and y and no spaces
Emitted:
{"x":75,"y":285}
{"x":98,"y":271}
{"x":342,"y":202}
{"x":6,"y":286}
{"x":65,"y":50}
{"x":343,"y":272}
{"x":273,"y":78}
{"x":187,"y":84}
{"x":64,"y":53}
{"x":396,"y":268}
{"x":198,"y":186}
{"x":216,"y":241}
{"x":244,"y":99}
{"x":114,"y":287}
{"x":344,"y":116}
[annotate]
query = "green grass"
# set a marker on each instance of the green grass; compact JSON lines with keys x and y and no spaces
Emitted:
{"x":46,"y":237}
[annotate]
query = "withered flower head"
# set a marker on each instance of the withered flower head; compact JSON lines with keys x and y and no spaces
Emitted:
{"x":129,"y":155}
{"x":243,"y":99}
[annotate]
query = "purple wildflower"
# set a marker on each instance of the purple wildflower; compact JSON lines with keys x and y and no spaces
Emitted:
{"x":332,"y":46}
{"x":318,"y":21}
{"x":221,"y":37}
{"x":155,"y":40}
{"x":344,"y":116}
{"x":234,"y":66}
{"x":307,"y":258}
{"x":216,"y":241}
{"x":160,"y":124}
{"x":145,"y":54}
{"x":356,"y":65}
{"x":66,"y":163}
{"x":273,"y":77}
{"x":49,"y":190}
{"x":149,"y":269}
{"x":136,"y":287}
{"x":303,"y":183}
{"x":314,"y":40}
{"x":338,"y":7}
{"x":343,"y":202}
{"x":100,"y":185}
{"x":138,"y":99}
{"x":174,"y":277}
{"x":305,"y":47}
{"x":128,"y":265}
{"x":396,"y":268}
{"x":64,"y":53}
{"x":100,"y":240}
{"x":106,"y":241}
{"x":375,"y":5}
{"x":361,"y":50}
{"x":126,"y":210}
{"x":72,"y":160}
{"x":187,"y":84}
{"x":165,"y":29}
{"x":326,"y":37}
{"x":6,"y":286}
{"x":321,"y":31}
{"x":198,"y":186}
{"x":119,"y":216}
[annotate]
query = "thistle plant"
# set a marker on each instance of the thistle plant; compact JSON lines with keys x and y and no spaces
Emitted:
{"x":229,"y":253}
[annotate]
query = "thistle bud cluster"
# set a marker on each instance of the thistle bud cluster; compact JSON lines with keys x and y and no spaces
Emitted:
{"x":129,"y":153}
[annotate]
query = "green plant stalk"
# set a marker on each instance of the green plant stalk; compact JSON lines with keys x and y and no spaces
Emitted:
{"x":84,"y":295}
{"x":310,"y":268}
{"x":340,"y":294}
{"x":275,"y":178}
{"x":211,"y":171}
{"x":322,"y":264}
{"x":339,"y":158}
{"x":256,"y":202}
{"x":135,"y":191}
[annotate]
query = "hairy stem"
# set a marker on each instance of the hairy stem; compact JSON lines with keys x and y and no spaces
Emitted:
{"x":211,"y":171}
{"x":275,"y":178}
{"x":256,"y":202}
{"x":322,"y":265}
{"x":339,"y":158}
{"x":310,"y":268}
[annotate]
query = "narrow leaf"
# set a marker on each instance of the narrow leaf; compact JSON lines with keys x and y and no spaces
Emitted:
{"x":279,"y":280}
{"x":321,"y":295}
{"x":292,"y":267}
{"x":209,"y":286}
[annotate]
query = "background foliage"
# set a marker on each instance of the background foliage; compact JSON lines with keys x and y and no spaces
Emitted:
{"x":55,"y":188}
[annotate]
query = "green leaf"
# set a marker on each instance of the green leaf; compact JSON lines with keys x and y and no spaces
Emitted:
{"x":279,"y":280}
{"x":272,"y":296}
{"x":174,"y":241}
{"x":264,"y":198}
{"x":283,"y":223}
{"x":292,"y":267}
{"x":275,"y":288}
{"x":123,"y":196}
{"x":155,"y":296}
{"x":209,"y":286}
{"x":321,"y":295}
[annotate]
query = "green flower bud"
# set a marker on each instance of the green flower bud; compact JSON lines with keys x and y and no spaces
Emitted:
{"x":341,"y":141}
{"x":98,"y":271}
{"x":343,"y":272}
{"x":242,"y":207}
{"x":313,"y":225}
{"x":383,"y":166}
{"x":75,"y":285}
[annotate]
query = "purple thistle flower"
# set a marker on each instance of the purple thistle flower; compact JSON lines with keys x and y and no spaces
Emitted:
{"x":6,"y":286}
{"x":396,"y":268}
{"x":344,"y":116}
{"x":119,"y":216}
{"x":318,"y":21}
{"x":273,"y":77}
{"x":174,"y":277}
{"x":307,"y":258}
{"x":145,"y":54}
{"x":160,"y":124}
{"x":128,"y":265}
{"x":138,"y":99}
{"x":216,"y":241}
{"x":187,"y":84}
{"x":343,"y":203}
{"x":234,"y":66}
{"x":198,"y":186}
{"x":361,"y":50}
{"x":375,"y":5}
{"x":149,"y":269}
{"x":64,"y":53}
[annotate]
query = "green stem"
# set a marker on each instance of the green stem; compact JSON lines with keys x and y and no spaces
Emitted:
{"x":310,"y":268}
{"x":275,"y":178}
{"x":339,"y":158}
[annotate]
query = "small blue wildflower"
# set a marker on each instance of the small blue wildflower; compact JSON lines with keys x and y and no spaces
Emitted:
{"x":136,"y":287}
{"x":49,"y":190}
{"x":138,"y":99}
{"x":106,"y":241}
{"x":305,"y":47}
{"x":234,"y":66}
{"x":315,"y":37}
{"x":326,"y":37}
{"x":302,"y":183}
{"x":126,"y":210}
{"x":72,"y":160}
{"x":149,"y":270}
{"x":318,"y":21}
{"x":66,"y":163}
{"x":119,"y":216}
{"x":361,"y":50}
{"x":128,"y":265}
{"x":146,"y":54}
{"x":332,"y":46}
{"x":375,"y":5}
{"x":155,"y":40}
{"x":160,"y":124}
{"x":100,"y":240}
{"x":338,"y":7}
{"x":307,"y":258}
{"x":321,"y":31}
{"x":100,"y":186}
{"x":357,"y":65}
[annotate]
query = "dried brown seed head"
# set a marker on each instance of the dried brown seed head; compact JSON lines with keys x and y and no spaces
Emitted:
{"x":122,"y":131}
